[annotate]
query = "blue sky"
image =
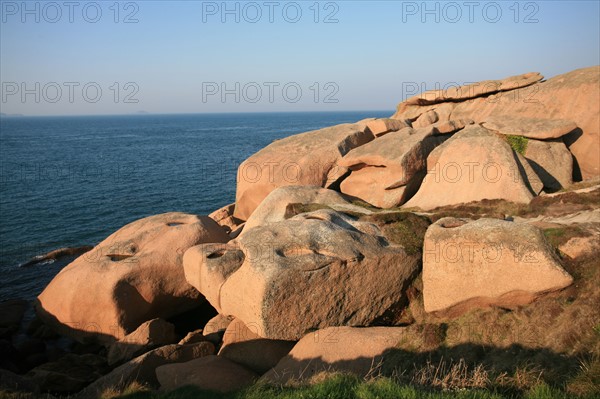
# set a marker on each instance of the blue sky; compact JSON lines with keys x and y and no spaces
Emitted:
{"x":178,"y":57}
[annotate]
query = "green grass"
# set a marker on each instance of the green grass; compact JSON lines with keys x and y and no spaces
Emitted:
{"x":517,"y":143}
{"x":341,"y":386}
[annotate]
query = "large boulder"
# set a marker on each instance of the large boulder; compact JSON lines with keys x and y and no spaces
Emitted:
{"x":552,"y":162}
{"x":141,"y":370}
{"x":211,"y":373}
{"x":386,"y":172}
{"x":303,"y":159}
{"x":469,"y":264}
{"x":573,"y":96}
{"x":313,"y":270}
{"x":132,"y":276}
{"x":336,"y":349}
{"x":473,"y":165}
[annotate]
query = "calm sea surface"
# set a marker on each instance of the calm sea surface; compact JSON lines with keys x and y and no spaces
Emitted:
{"x":72,"y":181}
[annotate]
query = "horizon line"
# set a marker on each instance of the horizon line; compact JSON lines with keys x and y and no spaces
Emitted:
{"x":17,"y":115}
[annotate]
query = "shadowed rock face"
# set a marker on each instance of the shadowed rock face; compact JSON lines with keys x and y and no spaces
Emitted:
{"x":314,"y":270}
{"x":573,"y":96}
{"x":472,"y":165}
{"x":132,"y":276}
{"x":469,"y":264}
{"x":149,"y":335}
{"x":552,"y":162}
{"x":303,"y":159}
{"x":141,"y":370}
{"x":242,"y":345}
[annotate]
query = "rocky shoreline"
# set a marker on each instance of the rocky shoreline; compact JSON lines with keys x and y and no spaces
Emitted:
{"x":465,"y":226}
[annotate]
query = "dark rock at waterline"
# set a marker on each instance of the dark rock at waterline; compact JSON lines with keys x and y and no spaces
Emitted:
{"x":70,"y":373}
{"x":57,"y":254}
{"x":11,"y":315}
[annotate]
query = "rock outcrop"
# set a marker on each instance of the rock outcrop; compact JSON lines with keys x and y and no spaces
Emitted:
{"x":313,"y":270}
{"x":305,"y":268}
{"x":573,"y":96}
{"x":469,"y":264}
{"x":132,"y":276}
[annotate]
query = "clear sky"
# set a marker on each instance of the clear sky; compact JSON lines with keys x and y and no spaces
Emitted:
{"x":107,"y":57}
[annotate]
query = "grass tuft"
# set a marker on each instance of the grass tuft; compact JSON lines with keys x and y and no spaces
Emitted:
{"x":517,"y":143}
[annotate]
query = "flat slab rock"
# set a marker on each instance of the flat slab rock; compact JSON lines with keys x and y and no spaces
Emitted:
{"x":534,"y":128}
{"x":487,"y":262}
{"x":461,"y":93}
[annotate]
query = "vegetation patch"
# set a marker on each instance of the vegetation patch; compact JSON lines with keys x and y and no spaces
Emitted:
{"x":297,"y":208}
{"x":517,"y":143}
{"x":561,"y":235}
{"x":402,"y":228}
{"x":344,"y":386}
{"x":364,"y":204}
{"x":563,"y":204}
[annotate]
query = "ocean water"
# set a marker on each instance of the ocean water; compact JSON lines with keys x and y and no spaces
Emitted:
{"x":72,"y":181}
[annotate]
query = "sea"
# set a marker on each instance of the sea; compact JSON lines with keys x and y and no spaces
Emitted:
{"x":72,"y":181}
